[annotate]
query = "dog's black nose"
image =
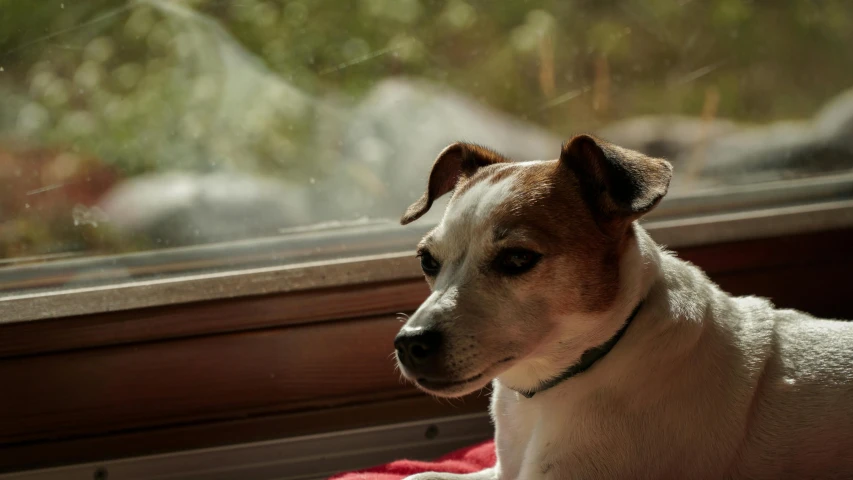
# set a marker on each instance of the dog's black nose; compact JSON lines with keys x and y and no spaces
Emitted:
{"x":416,"y":348}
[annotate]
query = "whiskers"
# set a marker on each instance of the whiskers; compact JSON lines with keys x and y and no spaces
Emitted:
{"x":402,"y":317}
{"x":400,"y":377}
{"x":447,"y":400}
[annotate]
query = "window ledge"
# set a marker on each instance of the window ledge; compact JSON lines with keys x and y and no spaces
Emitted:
{"x":399,"y":266}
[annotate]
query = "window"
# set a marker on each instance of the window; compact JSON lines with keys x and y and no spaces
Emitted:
{"x":160,"y":141}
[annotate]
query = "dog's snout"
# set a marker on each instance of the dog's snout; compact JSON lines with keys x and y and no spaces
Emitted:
{"x":417,"y":348}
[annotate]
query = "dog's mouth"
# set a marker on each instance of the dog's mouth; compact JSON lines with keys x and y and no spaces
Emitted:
{"x":448,"y":386}
{"x":444,"y":384}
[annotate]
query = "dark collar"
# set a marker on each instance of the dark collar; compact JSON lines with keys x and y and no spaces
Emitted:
{"x":586,"y":361}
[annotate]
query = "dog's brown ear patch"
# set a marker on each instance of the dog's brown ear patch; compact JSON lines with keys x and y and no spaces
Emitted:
{"x":456,"y":162}
{"x":618,"y":184}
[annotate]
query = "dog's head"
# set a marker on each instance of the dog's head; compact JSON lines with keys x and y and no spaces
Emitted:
{"x":524,"y":257}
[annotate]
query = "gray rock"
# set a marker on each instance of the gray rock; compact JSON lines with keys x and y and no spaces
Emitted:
{"x":666,"y":136}
{"x":395,"y":133}
{"x":381,"y":151}
{"x":835,"y":119}
{"x":724,"y":152}
{"x":178,"y":208}
{"x":774,"y":152}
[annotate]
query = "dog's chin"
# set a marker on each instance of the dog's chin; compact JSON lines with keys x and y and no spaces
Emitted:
{"x":450,"y":387}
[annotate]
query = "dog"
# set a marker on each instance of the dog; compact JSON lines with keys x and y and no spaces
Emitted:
{"x":608,"y":356}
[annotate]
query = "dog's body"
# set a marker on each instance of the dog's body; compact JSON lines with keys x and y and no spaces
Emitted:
{"x":702,"y":385}
{"x":536,"y":263}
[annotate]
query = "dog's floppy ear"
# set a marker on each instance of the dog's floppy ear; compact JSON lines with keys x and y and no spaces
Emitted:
{"x":456,"y":162}
{"x":618,"y":184}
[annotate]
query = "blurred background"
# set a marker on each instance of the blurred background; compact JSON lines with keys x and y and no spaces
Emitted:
{"x":129,"y":126}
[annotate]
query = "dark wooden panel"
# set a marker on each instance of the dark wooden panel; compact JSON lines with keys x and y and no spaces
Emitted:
{"x":752,"y":255}
{"x":111,"y":389}
{"x":823,"y":290}
{"x":411,"y":407}
{"x":264,"y":367}
{"x":205,"y":318}
{"x":209,"y":379}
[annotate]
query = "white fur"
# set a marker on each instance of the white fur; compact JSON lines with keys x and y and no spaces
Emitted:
{"x":702,"y":385}
{"x":479,"y":201}
{"x":456,"y":240}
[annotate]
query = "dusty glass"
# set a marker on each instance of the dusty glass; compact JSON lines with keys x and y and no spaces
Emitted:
{"x":138,"y":135}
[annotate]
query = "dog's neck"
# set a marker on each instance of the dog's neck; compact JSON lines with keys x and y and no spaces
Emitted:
{"x":566,"y":355}
{"x":586,"y":361}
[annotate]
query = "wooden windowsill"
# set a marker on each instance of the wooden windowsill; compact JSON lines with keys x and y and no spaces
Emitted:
{"x":146,"y":380}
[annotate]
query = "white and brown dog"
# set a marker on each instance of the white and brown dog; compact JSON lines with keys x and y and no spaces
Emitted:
{"x":608,"y":356}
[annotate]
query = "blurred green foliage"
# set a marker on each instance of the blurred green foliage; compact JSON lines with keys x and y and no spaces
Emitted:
{"x":121,"y":80}
{"x":101,"y":68}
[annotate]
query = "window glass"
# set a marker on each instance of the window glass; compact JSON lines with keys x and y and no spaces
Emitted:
{"x":145,"y":126}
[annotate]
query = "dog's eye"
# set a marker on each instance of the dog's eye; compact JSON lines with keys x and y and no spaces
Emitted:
{"x":515,"y":261}
{"x":429,"y":264}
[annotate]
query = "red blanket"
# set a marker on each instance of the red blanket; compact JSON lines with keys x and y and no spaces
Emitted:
{"x":467,"y":460}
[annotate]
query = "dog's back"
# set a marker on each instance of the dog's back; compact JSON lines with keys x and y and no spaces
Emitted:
{"x":719,"y":387}
{"x":777,"y":384}
{"x":800,"y":420}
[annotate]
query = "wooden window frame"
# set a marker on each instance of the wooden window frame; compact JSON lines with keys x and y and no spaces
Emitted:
{"x":169,"y":364}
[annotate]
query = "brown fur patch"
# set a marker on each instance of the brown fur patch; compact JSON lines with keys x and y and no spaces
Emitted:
{"x":620,"y":185}
{"x":582,"y":263}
